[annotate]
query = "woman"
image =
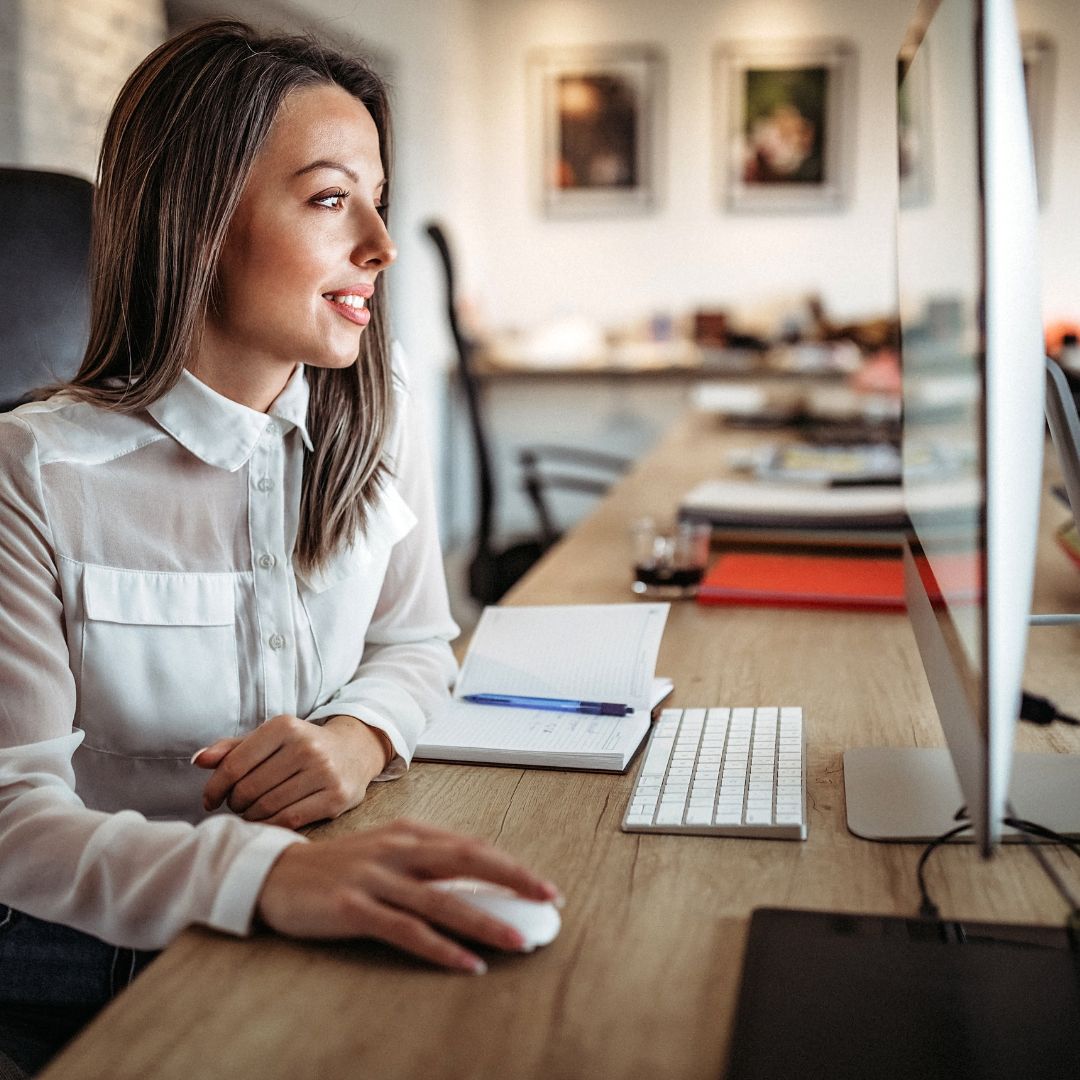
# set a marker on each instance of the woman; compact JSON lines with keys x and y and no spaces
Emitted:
{"x":222,"y":612}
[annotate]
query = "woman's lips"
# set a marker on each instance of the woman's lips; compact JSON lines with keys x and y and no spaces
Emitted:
{"x":351,"y":306}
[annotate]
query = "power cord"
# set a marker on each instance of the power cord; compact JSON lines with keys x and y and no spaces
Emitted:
{"x":1040,"y":710}
{"x":927,"y":908}
{"x":1031,"y":828}
{"x":1027,"y":829}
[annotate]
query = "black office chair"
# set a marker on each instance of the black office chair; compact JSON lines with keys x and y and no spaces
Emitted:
{"x":493,"y":568}
{"x":44,"y":284}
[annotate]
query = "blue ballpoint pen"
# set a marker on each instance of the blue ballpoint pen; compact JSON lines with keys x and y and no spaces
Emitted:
{"x":592,"y":708}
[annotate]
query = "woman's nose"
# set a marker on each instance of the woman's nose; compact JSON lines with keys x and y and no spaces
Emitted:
{"x":375,"y":249}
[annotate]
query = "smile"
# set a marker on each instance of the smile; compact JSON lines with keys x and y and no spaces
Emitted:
{"x":350,"y":306}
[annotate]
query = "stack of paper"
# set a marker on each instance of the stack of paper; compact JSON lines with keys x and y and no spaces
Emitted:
{"x":750,"y":504}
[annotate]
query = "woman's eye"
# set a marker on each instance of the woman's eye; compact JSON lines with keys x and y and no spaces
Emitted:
{"x":332,"y":200}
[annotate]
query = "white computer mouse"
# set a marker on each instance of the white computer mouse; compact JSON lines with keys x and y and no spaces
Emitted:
{"x":537,"y":921}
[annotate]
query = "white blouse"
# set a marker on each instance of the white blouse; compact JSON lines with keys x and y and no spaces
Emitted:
{"x":148,"y":606}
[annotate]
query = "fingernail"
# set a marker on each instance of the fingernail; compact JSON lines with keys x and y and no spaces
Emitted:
{"x":554,"y":895}
{"x":475,"y":965}
{"x":197,"y":753}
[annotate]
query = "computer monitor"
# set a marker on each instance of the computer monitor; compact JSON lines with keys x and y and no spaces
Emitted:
{"x":974,"y":391}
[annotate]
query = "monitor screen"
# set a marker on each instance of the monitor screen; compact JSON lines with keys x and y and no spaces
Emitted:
{"x":973,"y":378}
{"x":940,"y":293}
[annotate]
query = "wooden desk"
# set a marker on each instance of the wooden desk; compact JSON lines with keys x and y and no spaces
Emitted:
{"x":643,"y":979}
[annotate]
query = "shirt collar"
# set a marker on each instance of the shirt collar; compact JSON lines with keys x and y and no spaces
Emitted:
{"x":221,"y":431}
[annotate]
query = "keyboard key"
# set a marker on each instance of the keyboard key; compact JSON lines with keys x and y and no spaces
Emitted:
{"x":655,"y":764}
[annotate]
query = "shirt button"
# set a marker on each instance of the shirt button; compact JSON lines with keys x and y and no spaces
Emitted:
{"x":265,"y":484}
{"x":266,"y":561}
{"x":277,"y":641}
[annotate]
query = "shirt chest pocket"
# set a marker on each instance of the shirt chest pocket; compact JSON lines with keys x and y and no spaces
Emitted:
{"x":158,"y":672}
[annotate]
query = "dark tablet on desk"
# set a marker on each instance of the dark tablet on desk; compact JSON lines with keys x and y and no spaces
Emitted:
{"x":861,"y":997}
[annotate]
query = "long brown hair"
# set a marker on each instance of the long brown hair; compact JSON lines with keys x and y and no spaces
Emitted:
{"x":176,"y":155}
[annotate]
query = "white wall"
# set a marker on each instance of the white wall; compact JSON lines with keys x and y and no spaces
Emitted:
{"x":525,"y":268}
{"x":62,"y":63}
{"x":1060,"y":21}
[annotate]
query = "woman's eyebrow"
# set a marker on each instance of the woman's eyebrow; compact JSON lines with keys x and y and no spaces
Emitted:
{"x":322,"y":163}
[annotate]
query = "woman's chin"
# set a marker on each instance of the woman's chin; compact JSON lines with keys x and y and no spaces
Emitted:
{"x":334,"y":361}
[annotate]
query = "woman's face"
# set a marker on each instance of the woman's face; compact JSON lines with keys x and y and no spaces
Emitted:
{"x":303,"y":251}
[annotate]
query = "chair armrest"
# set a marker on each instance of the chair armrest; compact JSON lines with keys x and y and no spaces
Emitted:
{"x":532,"y":456}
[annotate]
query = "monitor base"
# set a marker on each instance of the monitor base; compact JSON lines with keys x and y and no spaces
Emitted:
{"x":912,"y":794}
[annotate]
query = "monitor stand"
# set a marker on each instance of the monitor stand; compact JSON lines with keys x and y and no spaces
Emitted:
{"x":912,"y":794}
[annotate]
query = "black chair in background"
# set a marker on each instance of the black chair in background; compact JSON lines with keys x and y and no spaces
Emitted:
{"x":44,"y":284}
{"x":495,"y":567}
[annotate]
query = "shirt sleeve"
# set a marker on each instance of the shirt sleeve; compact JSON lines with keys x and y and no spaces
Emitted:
{"x":407,"y":668}
{"x":118,"y":876}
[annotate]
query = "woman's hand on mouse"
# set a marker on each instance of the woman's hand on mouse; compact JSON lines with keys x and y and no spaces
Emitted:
{"x":291,"y":772}
{"x":376,"y":884}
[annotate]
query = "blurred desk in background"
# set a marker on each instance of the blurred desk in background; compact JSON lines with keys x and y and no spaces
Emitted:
{"x":618,"y":410}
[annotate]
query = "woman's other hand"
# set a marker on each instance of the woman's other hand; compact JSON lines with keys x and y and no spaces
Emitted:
{"x":290,"y":772}
{"x":377,"y":884}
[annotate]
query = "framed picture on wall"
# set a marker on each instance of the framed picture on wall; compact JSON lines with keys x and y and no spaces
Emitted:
{"x":597,"y":114}
{"x":913,"y":129}
{"x":1038,"y":54}
{"x":785,"y":120}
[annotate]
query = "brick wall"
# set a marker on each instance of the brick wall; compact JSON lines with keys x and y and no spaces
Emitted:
{"x":61,"y":65}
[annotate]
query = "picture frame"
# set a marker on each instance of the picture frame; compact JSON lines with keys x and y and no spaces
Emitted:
{"x":785,"y":124}
{"x":597,"y":116}
{"x":913,"y":139}
{"x":1039,"y":58}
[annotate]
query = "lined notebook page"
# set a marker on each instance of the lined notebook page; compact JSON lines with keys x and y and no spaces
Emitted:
{"x":532,"y":731}
{"x":593,"y":652}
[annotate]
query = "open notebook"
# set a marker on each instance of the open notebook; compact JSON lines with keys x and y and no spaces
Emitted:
{"x":594,"y":652}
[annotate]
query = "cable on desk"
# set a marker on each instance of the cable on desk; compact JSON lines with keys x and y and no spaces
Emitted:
{"x":1034,"y":829}
{"x":1027,"y":830}
{"x":1040,"y":710}
{"x":927,"y":908}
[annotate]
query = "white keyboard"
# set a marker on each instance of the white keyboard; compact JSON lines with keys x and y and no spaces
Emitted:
{"x":723,"y":772}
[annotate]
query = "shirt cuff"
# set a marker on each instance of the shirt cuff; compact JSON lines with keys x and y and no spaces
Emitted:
{"x":234,"y":906}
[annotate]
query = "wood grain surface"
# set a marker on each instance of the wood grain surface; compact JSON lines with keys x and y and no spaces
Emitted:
{"x":642,"y":981}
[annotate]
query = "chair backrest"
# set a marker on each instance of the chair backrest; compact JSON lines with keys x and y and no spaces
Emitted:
{"x":471,"y":389}
{"x":44,"y":284}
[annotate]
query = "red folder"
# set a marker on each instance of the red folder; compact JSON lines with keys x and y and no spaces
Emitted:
{"x":817,"y":581}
